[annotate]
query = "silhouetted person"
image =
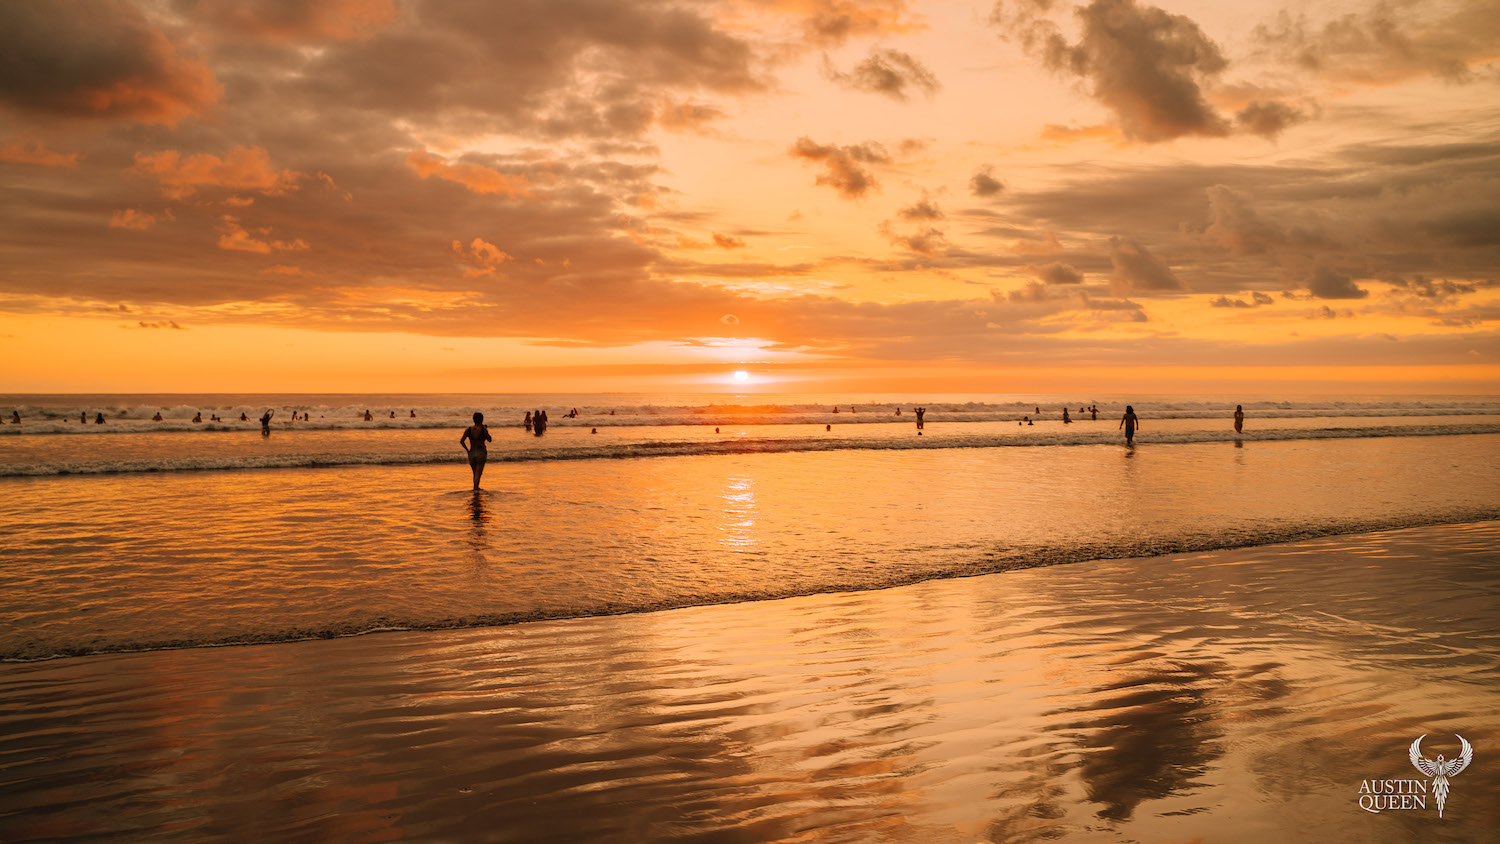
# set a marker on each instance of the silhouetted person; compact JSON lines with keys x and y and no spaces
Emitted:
{"x":393,"y":414}
{"x":596,"y":430}
{"x":243,"y":417}
{"x":473,"y":440}
{"x":413,"y":414}
{"x":157,"y":417}
{"x":198,"y":417}
{"x":828,"y":427}
{"x":1239,"y":419}
{"x":1129,"y":422}
{"x":368,"y":417}
{"x":265,"y":421}
{"x":15,"y":417}
{"x":527,"y":421}
{"x":921,"y":414}
{"x":83,"y":417}
{"x":98,"y":419}
{"x":1093,"y":412}
{"x":1066,"y":420}
{"x":539,"y":422}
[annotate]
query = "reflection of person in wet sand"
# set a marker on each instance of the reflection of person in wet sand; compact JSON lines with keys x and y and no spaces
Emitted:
{"x":1239,"y":419}
{"x":473,"y":440}
{"x":1129,"y":422}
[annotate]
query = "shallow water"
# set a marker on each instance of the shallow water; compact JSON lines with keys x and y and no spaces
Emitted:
{"x":133,"y":561}
{"x":1237,"y":696}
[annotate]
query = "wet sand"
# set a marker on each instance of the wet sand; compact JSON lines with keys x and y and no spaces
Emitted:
{"x":1227,"y":696}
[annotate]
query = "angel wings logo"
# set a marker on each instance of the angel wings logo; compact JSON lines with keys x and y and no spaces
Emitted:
{"x":1442,"y":769}
{"x":1376,"y":796}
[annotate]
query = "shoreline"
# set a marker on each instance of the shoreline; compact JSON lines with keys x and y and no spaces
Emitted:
{"x":1236,"y":695}
{"x":1050,"y":558}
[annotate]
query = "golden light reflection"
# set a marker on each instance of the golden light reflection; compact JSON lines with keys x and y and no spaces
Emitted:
{"x":737,"y":523}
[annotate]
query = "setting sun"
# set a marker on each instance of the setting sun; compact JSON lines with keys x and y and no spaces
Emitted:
{"x":741,"y":376}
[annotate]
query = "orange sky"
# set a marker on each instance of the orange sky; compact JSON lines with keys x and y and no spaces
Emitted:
{"x":872,"y":195}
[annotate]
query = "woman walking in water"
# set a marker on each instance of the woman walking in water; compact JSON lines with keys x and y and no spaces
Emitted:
{"x":473,"y":440}
{"x":1239,"y":419}
{"x":1129,"y":423}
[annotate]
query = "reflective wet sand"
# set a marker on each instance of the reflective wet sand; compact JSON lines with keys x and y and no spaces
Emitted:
{"x":1226,"y":696}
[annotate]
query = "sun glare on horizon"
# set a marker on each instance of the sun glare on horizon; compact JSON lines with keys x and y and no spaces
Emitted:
{"x":741,"y":376}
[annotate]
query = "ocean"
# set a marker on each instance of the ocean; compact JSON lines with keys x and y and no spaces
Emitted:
{"x":134,"y":534}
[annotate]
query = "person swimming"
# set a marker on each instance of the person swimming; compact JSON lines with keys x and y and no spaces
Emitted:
{"x":98,"y":419}
{"x":15,"y":417}
{"x":1239,"y":419}
{"x":1129,"y":422}
{"x":473,"y":440}
{"x":243,"y":417}
{"x":368,"y":417}
{"x":198,"y":417}
{"x":157,"y":417}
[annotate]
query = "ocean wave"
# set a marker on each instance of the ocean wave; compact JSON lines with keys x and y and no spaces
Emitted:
{"x":138,"y":419}
{"x":939,"y":439}
{"x":965,"y":561}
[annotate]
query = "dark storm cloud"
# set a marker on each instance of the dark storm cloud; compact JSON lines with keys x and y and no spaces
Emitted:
{"x":889,"y":72}
{"x":842,"y":168}
{"x":100,"y":59}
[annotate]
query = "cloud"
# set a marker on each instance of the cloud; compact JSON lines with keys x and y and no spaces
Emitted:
{"x":1057,"y":273}
{"x":924,"y":209}
{"x":832,"y":22}
{"x":924,"y":240}
{"x":100,"y":59}
{"x":729,"y":319}
{"x":130,"y":218}
{"x":292,"y":21}
{"x":982,"y":183}
{"x":172,"y":324}
{"x":1147,"y":66}
{"x":35,"y":152}
{"x":687,"y":117}
{"x":236,"y":239}
{"x":1136,"y":269}
{"x":1256,"y":300}
{"x":889,"y":72}
{"x":241,"y":169}
{"x":475,"y":177}
{"x":1268,"y":118}
{"x":1388,"y":42}
{"x":1327,"y":283}
{"x":480,"y":257}
{"x":842,"y":170}
{"x":724,"y":241}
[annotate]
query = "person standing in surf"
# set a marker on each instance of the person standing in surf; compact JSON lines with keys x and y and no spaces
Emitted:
{"x":1129,"y":422}
{"x":1239,"y":419}
{"x":473,"y":440}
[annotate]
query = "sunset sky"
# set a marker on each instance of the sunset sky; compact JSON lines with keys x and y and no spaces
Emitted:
{"x":871,"y":195}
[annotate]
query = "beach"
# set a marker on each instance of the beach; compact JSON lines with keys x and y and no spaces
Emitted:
{"x":1237,"y":695}
{"x":732,"y":623}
